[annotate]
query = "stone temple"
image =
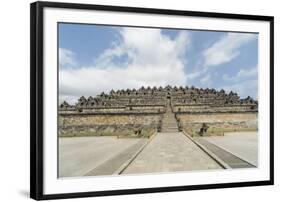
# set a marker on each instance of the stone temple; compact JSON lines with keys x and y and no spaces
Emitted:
{"x":142,"y":112}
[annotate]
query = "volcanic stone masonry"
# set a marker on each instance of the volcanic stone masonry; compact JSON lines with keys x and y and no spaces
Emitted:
{"x":147,"y":110}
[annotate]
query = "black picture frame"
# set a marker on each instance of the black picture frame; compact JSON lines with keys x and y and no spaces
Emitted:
{"x":36,"y":98}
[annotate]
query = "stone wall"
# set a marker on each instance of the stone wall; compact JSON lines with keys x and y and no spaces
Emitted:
{"x":118,"y":119}
{"x":108,"y":124}
{"x":208,"y":108}
{"x":238,"y":121}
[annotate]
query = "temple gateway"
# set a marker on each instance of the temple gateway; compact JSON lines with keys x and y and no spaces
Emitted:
{"x":142,"y":112}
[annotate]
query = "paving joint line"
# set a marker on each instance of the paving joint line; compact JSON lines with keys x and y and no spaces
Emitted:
{"x":222,"y":148}
{"x":223,"y":164}
{"x":106,"y":160}
{"x":125,"y":165}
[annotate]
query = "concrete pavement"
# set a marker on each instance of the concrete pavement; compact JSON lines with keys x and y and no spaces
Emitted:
{"x":80,"y":155}
{"x":241,"y":144}
{"x":170,"y":152}
{"x":166,"y":152}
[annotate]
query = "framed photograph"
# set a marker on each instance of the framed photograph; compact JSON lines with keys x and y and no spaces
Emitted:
{"x":129,"y":100}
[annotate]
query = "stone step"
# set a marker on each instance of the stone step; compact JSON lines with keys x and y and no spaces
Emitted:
{"x":175,"y":128}
{"x":169,"y":131}
{"x":172,"y":128}
{"x":169,"y":125}
{"x":169,"y":122}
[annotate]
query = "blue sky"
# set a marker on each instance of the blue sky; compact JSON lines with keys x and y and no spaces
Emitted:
{"x":94,"y":58}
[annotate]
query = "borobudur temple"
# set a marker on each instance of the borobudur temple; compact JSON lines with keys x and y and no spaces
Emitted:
{"x":142,"y":112}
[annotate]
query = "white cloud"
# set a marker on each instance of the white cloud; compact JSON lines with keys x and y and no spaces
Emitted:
{"x":242,"y":74}
{"x":152,"y":59}
{"x":206,"y":80}
{"x":244,"y":88}
{"x":245,"y":82}
{"x":66,"y":58}
{"x":226,"y":49}
{"x":195,"y":74}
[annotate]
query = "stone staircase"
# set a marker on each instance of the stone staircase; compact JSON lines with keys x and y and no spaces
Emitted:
{"x":169,"y":122}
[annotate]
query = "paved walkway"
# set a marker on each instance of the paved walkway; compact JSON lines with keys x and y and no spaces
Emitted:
{"x":169,"y":152}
